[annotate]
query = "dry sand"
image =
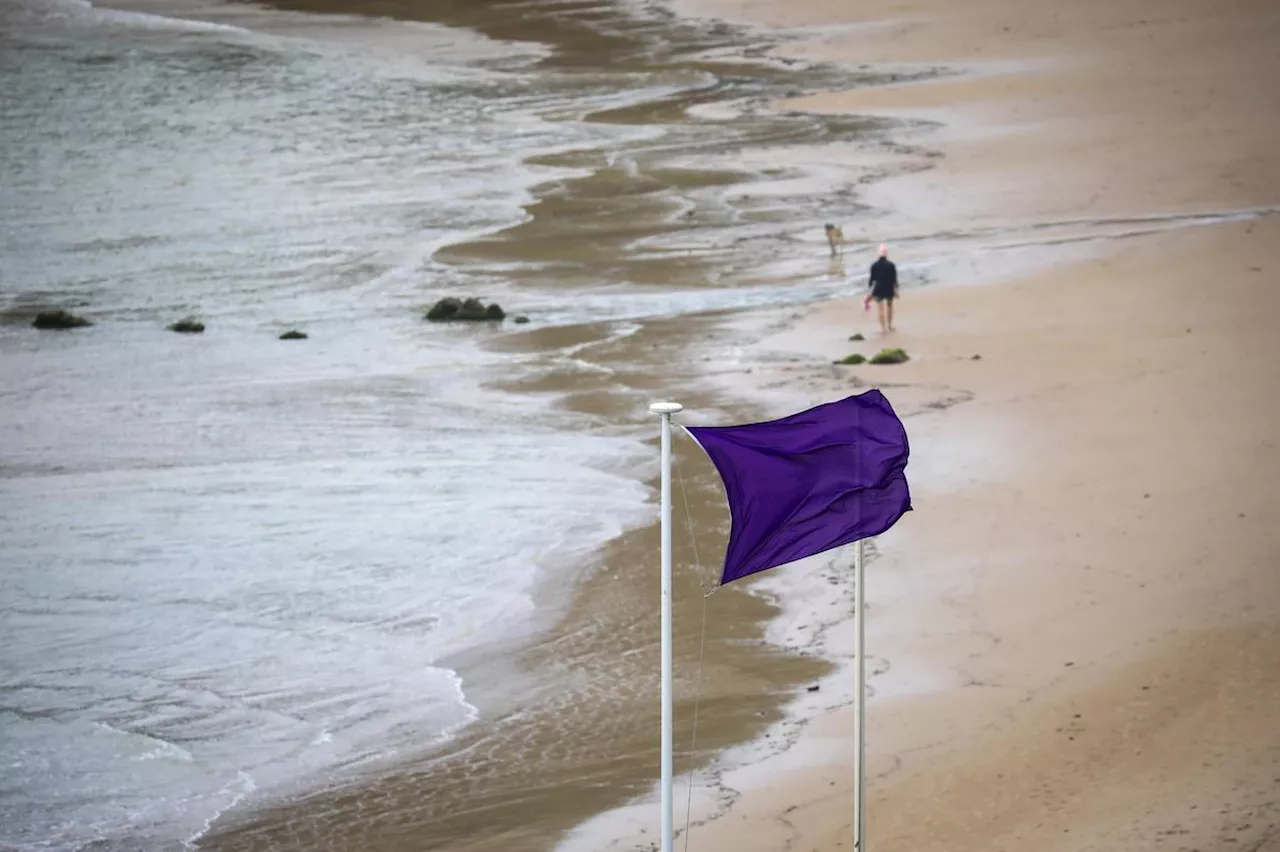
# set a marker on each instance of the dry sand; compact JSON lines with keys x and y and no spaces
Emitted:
{"x":1077,"y":632}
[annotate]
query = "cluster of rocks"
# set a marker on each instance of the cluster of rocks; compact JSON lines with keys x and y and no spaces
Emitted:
{"x":884,"y":356}
{"x":63,"y":319}
{"x":448,"y":309}
{"x":453,"y":309}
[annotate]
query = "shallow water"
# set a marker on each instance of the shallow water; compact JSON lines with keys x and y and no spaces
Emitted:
{"x":235,"y":569}
{"x":231,"y":562}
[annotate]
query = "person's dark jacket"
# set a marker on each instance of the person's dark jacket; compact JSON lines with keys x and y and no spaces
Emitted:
{"x":884,"y":279}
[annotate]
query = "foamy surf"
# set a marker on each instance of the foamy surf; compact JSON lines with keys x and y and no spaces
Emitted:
{"x":235,"y":792}
{"x":234,"y":571}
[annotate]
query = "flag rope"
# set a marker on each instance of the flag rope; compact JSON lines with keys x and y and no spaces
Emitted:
{"x":702,"y":646}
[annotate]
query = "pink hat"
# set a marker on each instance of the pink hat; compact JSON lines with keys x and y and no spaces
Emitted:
{"x":884,"y":250}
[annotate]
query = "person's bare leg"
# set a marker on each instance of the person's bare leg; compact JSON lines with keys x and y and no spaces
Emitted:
{"x":891,"y":301}
{"x":880,"y":314}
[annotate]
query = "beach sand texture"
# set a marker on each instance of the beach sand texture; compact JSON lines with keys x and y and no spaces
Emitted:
{"x":1087,"y":588}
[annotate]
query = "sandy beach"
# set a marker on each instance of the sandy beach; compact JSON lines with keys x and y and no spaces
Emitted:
{"x":1073,"y":637}
{"x":1075,"y":632}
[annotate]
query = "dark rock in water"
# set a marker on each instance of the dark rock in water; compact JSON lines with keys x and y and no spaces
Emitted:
{"x":188,"y":325}
{"x":890,"y":356}
{"x":521,"y":320}
{"x":857,"y":336}
{"x":445,"y":309}
{"x":450,"y":309}
{"x":59,"y":319}
{"x":294,"y":334}
{"x":976,"y":358}
{"x":814,"y":688}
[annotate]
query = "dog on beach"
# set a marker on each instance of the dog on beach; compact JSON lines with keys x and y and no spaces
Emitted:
{"x":835,"y":238}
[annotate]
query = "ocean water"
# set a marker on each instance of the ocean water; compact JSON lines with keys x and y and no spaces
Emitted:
{"x":231,"y":565}
{"x":234,"y":569}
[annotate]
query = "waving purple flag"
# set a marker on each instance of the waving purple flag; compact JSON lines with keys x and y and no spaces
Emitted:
{"x":809,"y":482}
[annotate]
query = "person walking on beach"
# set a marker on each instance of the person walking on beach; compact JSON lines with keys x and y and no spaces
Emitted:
{"x":884,"y":288}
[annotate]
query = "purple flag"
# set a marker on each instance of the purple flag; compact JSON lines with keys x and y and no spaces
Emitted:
{"x":809,"y":482}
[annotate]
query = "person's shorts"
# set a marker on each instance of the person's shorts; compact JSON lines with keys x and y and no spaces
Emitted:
{"x":883,"y":297}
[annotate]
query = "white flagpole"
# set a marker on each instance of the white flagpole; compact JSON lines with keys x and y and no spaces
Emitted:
{"x":665,"y":410}
{"x":859,"y":707}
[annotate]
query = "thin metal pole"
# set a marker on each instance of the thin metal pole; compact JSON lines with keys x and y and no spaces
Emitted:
{"x":859,"y":706}
{"x":665,"y":410}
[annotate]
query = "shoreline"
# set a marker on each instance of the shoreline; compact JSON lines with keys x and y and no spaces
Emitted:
{"x":394,"y":810}
{"x":810,"y":374}
{"x":768,"y":813}
{"x":770,"y":668}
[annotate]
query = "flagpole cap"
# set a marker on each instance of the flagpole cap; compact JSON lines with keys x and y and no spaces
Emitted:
{"x":665,"y":407}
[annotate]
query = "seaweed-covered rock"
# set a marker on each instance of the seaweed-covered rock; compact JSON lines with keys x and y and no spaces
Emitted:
{"x":855,"y":358}
{"x":294,"y":334}
{"x":59,"y":319}
{"x":520,"y":320}
{"x":445,"y":309}
{"x":890,"y":356}
{"x":451,"y":309}
{"x":187,"y":325}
